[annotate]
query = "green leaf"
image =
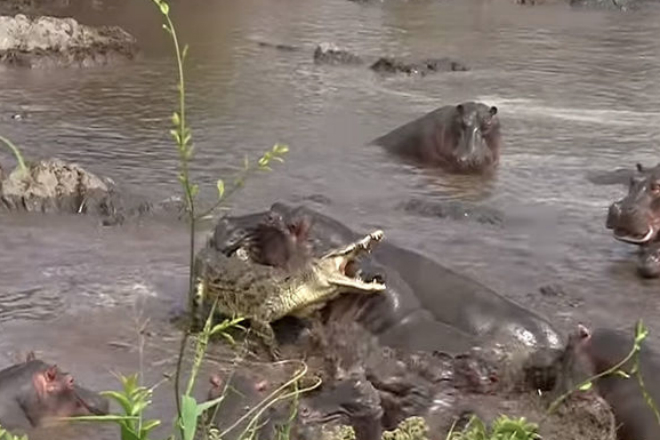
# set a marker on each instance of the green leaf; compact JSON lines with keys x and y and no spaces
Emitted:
{"x":201,"y":407}
{"x":221,"y":188}
{"x":586,"y":386}
{"x":184,"y":52}
{"x":164,"y":8}
{"x":187,"y":138}
{"x":280,"y":149}
{"x":151,"y":424}
{"x":176,"y":120}
{"x":641,"y":332}
{"x":189,"y":417}
{"x":622,"y":374}
{"x":120,"y":399}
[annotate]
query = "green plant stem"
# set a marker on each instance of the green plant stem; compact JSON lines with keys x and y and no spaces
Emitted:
{"x":647,"y":396}
{"x":267,"y":402}
{"x":17,"y":154}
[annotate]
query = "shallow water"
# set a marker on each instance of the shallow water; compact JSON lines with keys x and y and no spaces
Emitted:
{"x":576,"y":91}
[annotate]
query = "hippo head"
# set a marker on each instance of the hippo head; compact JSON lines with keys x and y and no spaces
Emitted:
{"x":477,"y":136}
{"x":353,"y":401}
{"x":593,"y":351}
{"x":636,"y":218}
{"x":54,"y":394}
{"x":274,"y":242}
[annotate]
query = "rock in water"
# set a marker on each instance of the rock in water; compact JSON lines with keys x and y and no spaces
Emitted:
{"x":48,"y":186}
{"x":48,"y":42}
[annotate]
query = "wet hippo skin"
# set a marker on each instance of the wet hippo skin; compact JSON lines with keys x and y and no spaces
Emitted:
{"x":592,"y":352}
{"x":33,"y":392}
{"x":425,"y":304}
{"x":462,"y":138}
{"x":635,"y":219}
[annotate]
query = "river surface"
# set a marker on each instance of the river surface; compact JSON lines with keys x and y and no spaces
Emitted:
{"x":577,"y":92}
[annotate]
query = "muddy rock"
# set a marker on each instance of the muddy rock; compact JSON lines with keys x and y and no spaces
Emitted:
{"x":329,"y":53}
{"x":44,"y":42}
{"x":621,"y":5}
{"x":612,"y":5}
{"x":55,"y":186}
{"x":50,"y":185}
{"x":453,"y":210}
{"x":389,"y":65}
{"x":34,"y":7}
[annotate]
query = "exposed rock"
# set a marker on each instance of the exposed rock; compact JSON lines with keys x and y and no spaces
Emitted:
{"x":48,"y":42}
{"x":453,"y":210}
{"x":423,"y":67}
{"x":620,"y":5}
{"x":329,"y":53}
{"x":55,"y":186}
{"x":279,"y":46}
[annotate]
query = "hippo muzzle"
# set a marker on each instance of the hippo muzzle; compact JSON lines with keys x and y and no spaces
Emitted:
{"x":631,"y":223}
{"x":473,"y":151}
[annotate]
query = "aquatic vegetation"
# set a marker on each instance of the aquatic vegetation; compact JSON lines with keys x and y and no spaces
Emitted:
{"x":503,"y":428}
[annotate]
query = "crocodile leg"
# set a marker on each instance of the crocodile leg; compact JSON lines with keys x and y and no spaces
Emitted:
{"x":266,"y":335}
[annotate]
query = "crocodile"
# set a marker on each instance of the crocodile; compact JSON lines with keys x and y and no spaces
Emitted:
{"x":264,"y":294}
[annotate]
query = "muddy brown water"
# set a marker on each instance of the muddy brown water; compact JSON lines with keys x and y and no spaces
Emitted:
{"x":577,"y":92}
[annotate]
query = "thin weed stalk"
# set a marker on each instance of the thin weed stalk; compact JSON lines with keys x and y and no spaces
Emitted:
{"x":17,"y":154}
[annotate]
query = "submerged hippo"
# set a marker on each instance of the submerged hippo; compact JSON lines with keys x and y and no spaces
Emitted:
{"x":596,"y":351}
{"x":426,"y":306}
{"x":635,"y":219}
{"x":33,"y":392}
{"x":462,"y":138}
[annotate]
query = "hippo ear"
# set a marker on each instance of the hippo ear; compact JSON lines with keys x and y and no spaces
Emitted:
{"x":300,"y":228}
{"x":51,"y":373}
{"x":30,"y":356}
{"x":493,"y":111}
{"x":460,"y":109}
{"x":640,"y":167}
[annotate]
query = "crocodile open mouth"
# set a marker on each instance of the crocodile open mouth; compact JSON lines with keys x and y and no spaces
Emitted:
{"x":627,"y":237}
{"x":351,"y":269}
{"x":347,"y":267}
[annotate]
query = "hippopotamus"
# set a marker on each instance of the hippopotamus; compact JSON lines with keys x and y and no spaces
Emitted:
{"x":596,"y":351}
{"x":242,"y":392}
{"x":426,"y":307}
{"x":33,"y":392}
{"x":635,"y":219}
{"x":461,"y":138}
{"x":374,"y":389}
